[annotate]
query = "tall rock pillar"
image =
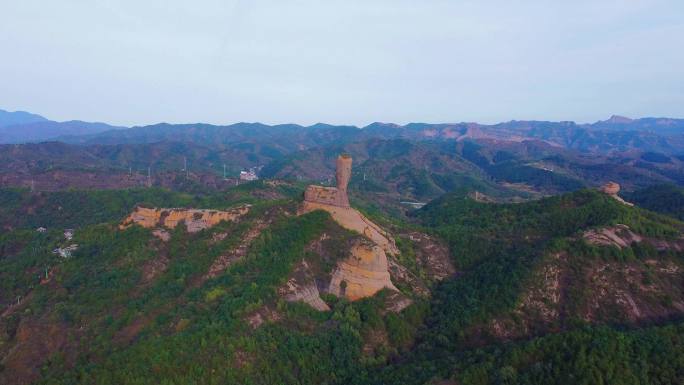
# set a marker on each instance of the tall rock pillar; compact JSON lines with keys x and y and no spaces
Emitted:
{"x":342,"y":175}
{"x":344,"y":165}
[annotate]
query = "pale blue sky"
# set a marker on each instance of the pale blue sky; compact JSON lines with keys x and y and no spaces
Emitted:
{"x":343,"y":62}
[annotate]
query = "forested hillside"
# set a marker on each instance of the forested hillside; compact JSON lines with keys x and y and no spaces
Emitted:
{"x":342,"y":193}
{"x":666,"y":199}
{"x":501,"y":249}
{"x":130,"y":306}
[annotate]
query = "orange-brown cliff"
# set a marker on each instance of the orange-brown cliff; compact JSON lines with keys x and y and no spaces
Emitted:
{"x":365,"y":271}
{"x":362,"y":274}
{"x":335,"y":201}
{"x":194,"y":219}
{"x":612,"y":189}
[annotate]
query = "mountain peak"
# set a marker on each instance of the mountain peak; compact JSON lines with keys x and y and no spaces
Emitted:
{"x":617,"y":119}
{"x":9,"y":118}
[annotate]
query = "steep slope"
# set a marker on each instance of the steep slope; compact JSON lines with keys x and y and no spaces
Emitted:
{"x":577,"y":287}
{"x":234,"y":296}
{"x":538,"y":267}
{"x":666,"y":199}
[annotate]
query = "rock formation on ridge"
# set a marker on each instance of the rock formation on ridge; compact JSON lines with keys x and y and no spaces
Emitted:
{"x":335,"y":201}
{"x":612,"y":189}
{"x":194,"y":219}
{"x":365,"y":271}
{"x":362,"y":274}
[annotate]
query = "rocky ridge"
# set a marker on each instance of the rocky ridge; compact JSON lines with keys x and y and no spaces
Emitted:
{"x":365,"y":271}
{"x":194,"y":219}
{"x":621,"y":236}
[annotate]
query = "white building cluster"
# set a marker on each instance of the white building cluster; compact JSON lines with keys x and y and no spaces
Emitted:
{"x":248,"y":175}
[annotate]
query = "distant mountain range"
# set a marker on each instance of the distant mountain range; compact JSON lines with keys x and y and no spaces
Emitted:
{"x":616,"y":134}
{"x":18,"y":117}
{"x":24,"y":127}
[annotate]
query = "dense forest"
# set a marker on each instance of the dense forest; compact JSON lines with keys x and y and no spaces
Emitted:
{"x":666,"y":199}
{"x":342,"y":193}
{"x":115,"y":322}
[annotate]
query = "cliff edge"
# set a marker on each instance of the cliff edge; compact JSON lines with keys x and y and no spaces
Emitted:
{"x":194,"y":219}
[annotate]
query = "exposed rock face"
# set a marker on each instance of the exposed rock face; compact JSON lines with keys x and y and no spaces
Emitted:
{"x":335,"y":201}
{"x":365,"y":271}
{"x":261,"y":315}
{"x":397,"y":302}
{"x":351,"y":219}
{"x":221,"y":263}
{"x":596,"y":291}
{"x":308,"y":294}
{"x":162,"y":234}
{"x":362,"y":274}
{"x":325,"y":195}
{"x":620,"y":236}
{"x":343,"y":174}
{"x":612,"y":189}
{"x":152,"y":268}
{"x":481,"y":197}
{"x":194,"y":219}
{"x":333,"y":196}
{"x":302,"y":287}
{"x":403,"y":276}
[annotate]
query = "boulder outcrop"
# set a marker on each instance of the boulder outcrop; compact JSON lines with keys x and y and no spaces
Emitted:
{"x":622,"y":236}
{"x":194,"y":219}
{"x":612,"y":189}
{"x":362,"y":274}
{"x":619,"y":236}
{"x":302,"y":287}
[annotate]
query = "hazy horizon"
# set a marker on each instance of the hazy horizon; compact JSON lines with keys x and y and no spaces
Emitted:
{"x":340,"y":124}
{"x":351,"y":63}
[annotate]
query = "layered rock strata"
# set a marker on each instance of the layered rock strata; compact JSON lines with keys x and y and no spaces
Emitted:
{"x":302,"y":287}
{"x":194,"y":219}
{"x":351,"y":219}
{"x":335,"y":201}
{"x":365,"y":271}
{"x":333,"y":196}
{"x":362,"y":274}
{"x":621,"y":236}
